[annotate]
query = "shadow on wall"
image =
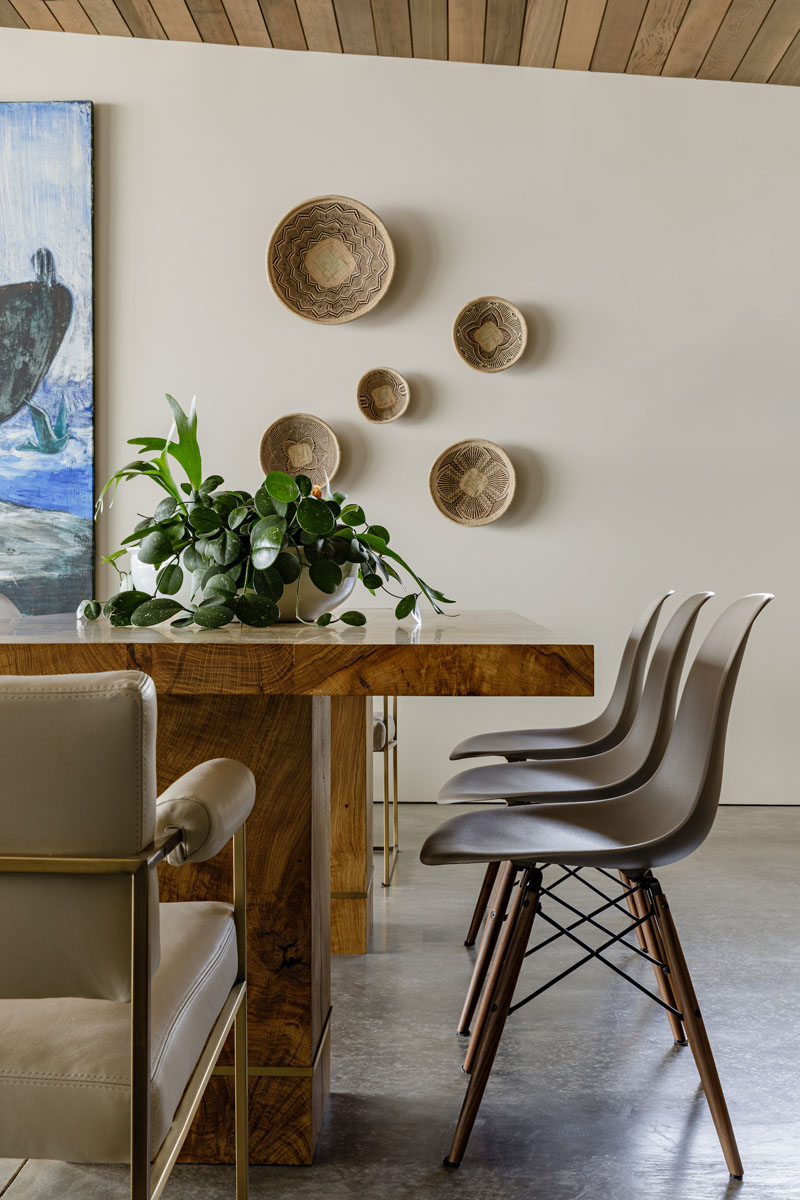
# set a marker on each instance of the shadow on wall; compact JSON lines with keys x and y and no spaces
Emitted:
{"x":421,"y":403}
{"x":532,"y":485}
{"x":416,"y":260}
{"x":541,"y":337}
{"x":356,"y":455}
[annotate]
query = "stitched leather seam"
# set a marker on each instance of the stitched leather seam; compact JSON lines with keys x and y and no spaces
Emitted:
{"x":187,"y":998}
{"x":65,"y":1080}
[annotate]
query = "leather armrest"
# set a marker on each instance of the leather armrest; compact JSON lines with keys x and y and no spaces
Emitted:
{"x":208,"y":804}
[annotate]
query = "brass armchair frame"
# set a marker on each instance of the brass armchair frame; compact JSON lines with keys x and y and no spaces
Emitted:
{"x":149,"y":1180}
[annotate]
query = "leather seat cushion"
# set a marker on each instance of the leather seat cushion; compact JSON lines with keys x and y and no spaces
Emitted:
{"x":65,"y":1063}
{"x":379,"y":728}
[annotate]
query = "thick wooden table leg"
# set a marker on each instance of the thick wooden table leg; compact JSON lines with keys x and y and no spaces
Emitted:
{"x":351,"y":824}
{"x":285,"y":740}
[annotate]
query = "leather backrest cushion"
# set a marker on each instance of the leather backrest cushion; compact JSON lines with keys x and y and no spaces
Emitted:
{"x":77,"y":778}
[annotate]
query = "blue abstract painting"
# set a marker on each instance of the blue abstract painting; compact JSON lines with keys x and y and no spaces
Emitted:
{"x":46,"y":356}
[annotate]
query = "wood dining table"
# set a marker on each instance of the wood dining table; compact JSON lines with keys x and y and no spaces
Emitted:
{"x":294,"y":702}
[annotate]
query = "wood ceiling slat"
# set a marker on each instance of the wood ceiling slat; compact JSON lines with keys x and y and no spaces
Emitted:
{"x":582,"y":20}
{"x":742,"y":22}
{"x":319,"y":25}
{"x":502,"y":41}
{"x":283,"y":24}
{"x":354,"y":18}
{"x":429,"y":28}
{"x":211,"y":20}
{"x":657,"y":31}
{"x":466,"y":30}
{"x":36,"y":15}
{"x":140,"y":19}
{"x":9,"y":17}
{"x":617,"y":35}
{"x":176,"y":20}
{"x":788,"y":69}
{"x":105,"y":17}
{"x":773,"y":39}
{"x":698,"y":30}
{"x":71,"y":16}
{"x":543,"y":21}
{"x":392,"y":27}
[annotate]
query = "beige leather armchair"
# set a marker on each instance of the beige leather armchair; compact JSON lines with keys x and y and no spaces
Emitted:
{"x":113,"y":1008}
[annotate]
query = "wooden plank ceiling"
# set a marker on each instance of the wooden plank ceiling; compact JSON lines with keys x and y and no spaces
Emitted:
{"x":751,"y":41}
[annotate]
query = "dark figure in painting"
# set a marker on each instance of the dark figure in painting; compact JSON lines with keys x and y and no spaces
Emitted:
{"x":34,"y":318}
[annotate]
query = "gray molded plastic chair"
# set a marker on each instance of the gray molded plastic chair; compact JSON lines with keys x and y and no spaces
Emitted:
{"x":660,"y":822}
{"x":596,"y":735}
{"x":606,"y":773}
{"x":622,"y":767}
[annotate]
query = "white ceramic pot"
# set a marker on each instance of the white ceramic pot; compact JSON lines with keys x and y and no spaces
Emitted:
{"x":143,"y":578}
{"x":313,"y":603}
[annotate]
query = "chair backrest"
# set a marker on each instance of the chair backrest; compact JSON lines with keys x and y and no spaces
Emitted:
{"x":683,"y":795}
{"x":635,"y":758}
{"x":617,"y":717}
{"x":78,"y":779}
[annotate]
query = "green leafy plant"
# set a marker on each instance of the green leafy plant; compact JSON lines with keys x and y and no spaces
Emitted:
{"x":242,"y":550}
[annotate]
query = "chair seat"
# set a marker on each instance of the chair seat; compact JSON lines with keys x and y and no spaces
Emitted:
{"x":527,"y":743}
{"x":379,"y":733}
{"x":605,"y":833}
{"x":528,"y":782}
{"x":65,"y":1063}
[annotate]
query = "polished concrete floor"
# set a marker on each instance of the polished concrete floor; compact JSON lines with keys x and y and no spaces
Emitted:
{"x":589,"y":1099}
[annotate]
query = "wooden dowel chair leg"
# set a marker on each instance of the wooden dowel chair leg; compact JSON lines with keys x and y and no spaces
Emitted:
{"x":482,"y":903}
{"x":696,"y":1032}
{"x":525,"y":911}
{"x":492,"y":978}
{"x":396,"y":811}
{"x":631,"y":902}
{"x":502,"y":895}
{"x":654,"y":947}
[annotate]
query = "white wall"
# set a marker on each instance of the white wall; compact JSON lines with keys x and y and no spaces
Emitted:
{"x":648,"y":228}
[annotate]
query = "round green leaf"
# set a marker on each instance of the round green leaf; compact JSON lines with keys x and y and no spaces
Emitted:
{"x":264,"y":558}
{"x":263,"y":502}
{"x":314,"y":516}
{"x":237,"y":515}
{"x":281,"y":487}
{"x":304,"y":485}
{"x":356,"y":552}
{"x":153,"y":612}
{"x":218,"y":586}
{"x":192,"y":559}
{"x":372,"y":582}
{"x":288,"y":566}
{"x":213,"y":616}
{"x":169,"y":579}
{"x":165,"y":509}
{"x":181,"y":622}
{"x":334,"y":506}
{"x":89,"y":610}
{"x":224,"y":504}
{"x":353,"y":618}
{"x":211,"y":484}
{"x":325,"y":575}
{"x":204,"y":520}
{"x":324,"y":620}
{"x":269,"y":531}
{"x":406,"y":606}
{"x":258,"y":611}
{"x":268,"y":583}
{"x":155,"y":548}
{"x":122,"y":604}
{"x":353,"y":515}
{"x":380,"y":531}
{"x":227,"y":548}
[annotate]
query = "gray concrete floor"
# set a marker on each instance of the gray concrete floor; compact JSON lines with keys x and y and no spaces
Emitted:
{"x":589,"y":1099}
